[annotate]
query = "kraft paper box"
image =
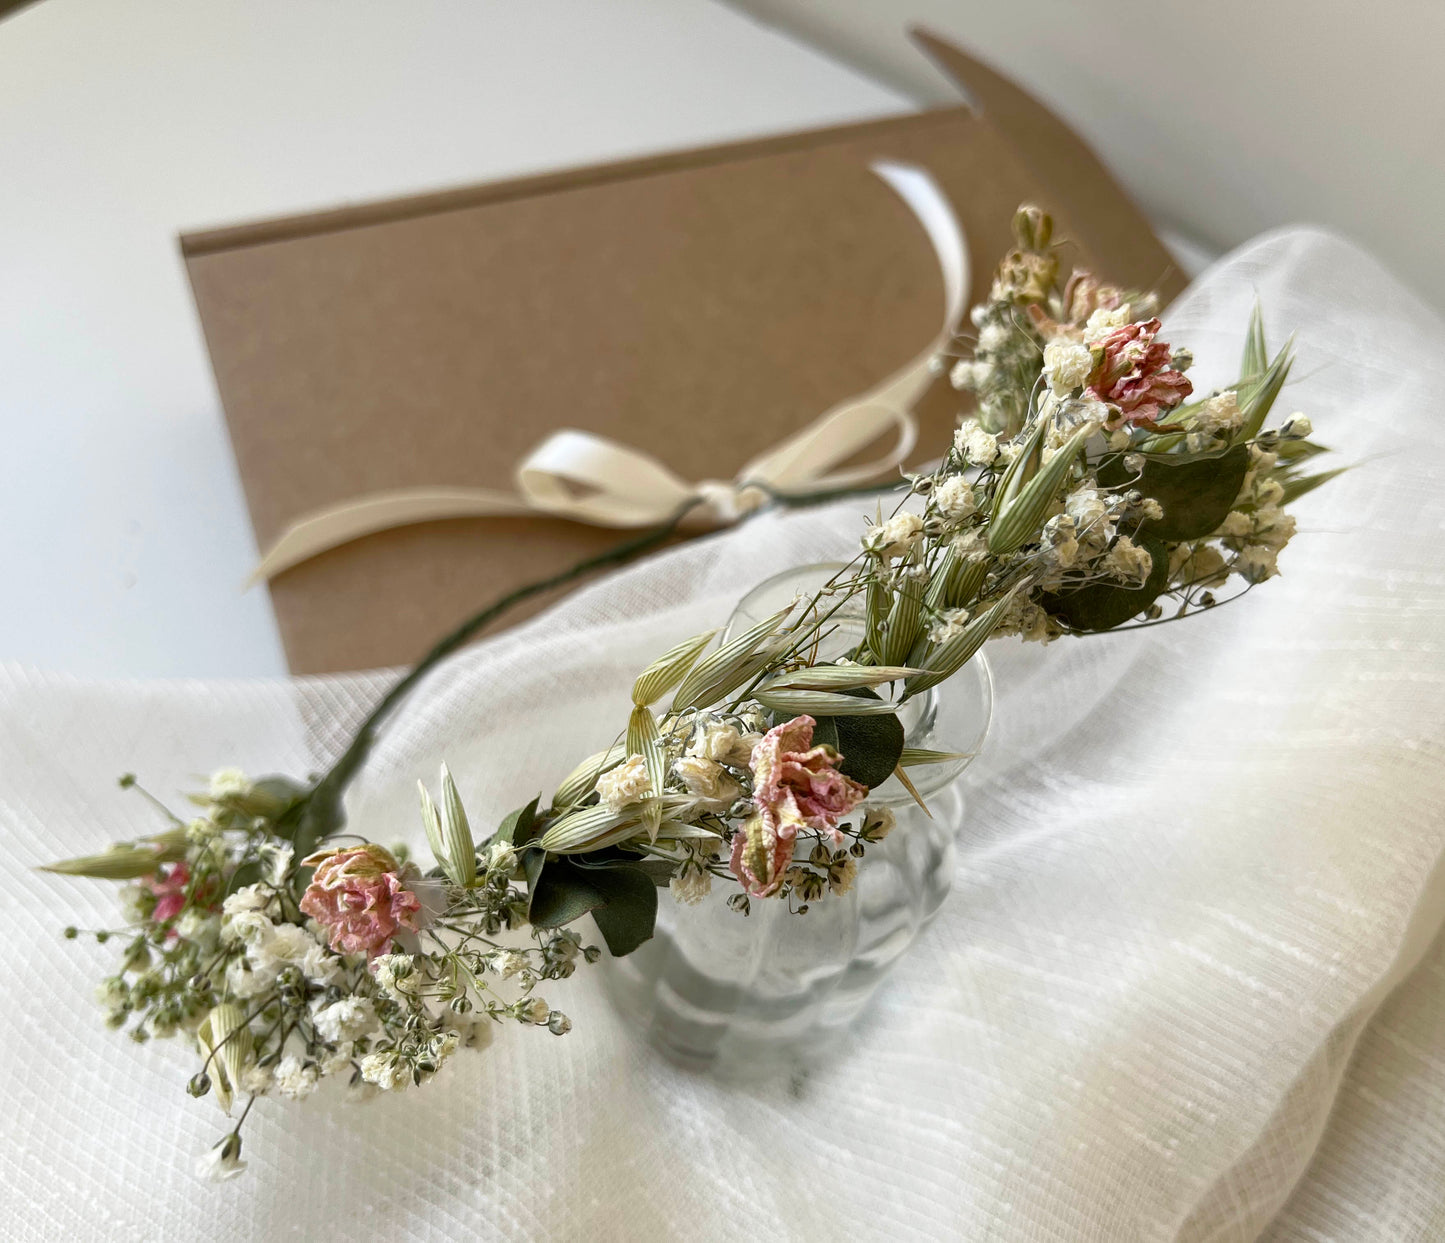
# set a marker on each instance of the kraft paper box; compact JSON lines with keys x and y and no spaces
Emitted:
{"x":700,"y":305}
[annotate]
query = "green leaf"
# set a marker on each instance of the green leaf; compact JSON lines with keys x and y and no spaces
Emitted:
{"x":870,"y":746}
{"x":516,"y":827}
{"x":1296,"y":488}
{"x":825,"y":730}
{"x":277,"y":793}
{"x":1256,"y":356}
{"x":321,"y":816}
{"x":1298,"y":450}
{"x":246,"y":874}
{"x":1102,"y":606}
{"x":1257,"y":396}
{"x":630,"y":912}
{"x":1196,"y":495}
{"x":622,"y":898}
{"x":560,"y":893}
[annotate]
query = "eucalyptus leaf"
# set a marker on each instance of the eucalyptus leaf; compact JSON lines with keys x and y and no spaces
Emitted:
{"x":870,"y":747}
{"x":629,"y":914}
{"x":561,"y":893}
{"x":1196,"y":495}
{"x":1102,"y":606}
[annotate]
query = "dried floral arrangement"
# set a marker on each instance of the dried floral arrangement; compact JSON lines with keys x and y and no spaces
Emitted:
{"x":1090,"y":490}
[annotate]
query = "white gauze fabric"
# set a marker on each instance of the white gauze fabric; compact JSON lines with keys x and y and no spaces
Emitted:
{"x":1198,"y":863}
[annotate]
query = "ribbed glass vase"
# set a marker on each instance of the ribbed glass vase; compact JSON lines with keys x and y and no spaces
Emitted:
{"x":716,"y":990}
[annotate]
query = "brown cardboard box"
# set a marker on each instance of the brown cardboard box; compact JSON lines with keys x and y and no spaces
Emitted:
{"x":699,"y":305}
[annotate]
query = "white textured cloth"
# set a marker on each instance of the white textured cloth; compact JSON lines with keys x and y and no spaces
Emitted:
{"x":1184,"y":988}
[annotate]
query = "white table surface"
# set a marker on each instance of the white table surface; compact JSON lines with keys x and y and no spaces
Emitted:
{"x":124,"y":537}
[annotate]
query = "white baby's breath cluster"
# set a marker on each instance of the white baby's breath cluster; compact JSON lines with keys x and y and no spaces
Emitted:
{"x":273,"y":1007}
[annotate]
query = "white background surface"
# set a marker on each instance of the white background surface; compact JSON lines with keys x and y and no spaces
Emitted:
{"x":1222,"y":117}
{"x":123,"y":532}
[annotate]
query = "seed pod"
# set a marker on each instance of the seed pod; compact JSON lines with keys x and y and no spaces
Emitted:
{"x":838,"y":677}
{"x":1019,"y":471}
{"x":590,"y":828}
{"x":457,"y":840}
{"x":905,"y":622}
{"x":118,"y":863}
{"x":669,"y":669}
{"x":879,"y":601}
{"x":950,"y":657}
{"x":1023,"y":518}
{"x":643,"y":740}
{"x":720,"y":673}
{"x":821,"y":703}
{"x":226,"y":1039}
{"x":581,"y":781}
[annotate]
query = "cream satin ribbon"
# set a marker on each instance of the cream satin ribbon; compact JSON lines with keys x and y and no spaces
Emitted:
{"x":574,"y":474}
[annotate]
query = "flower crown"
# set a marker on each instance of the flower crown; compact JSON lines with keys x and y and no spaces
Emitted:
{"x":1087,"y":492}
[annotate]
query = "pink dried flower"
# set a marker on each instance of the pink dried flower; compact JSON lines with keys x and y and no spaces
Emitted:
{"x":1134,"y":376}
{"x":795,"y":785}
{"x":358,"y":895}
{"x":168,"y":884}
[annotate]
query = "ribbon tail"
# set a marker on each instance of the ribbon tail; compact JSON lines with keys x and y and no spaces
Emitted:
{"x":325,"y":529}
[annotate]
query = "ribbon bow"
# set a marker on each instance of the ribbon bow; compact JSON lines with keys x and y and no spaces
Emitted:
{"x":587,"y":478}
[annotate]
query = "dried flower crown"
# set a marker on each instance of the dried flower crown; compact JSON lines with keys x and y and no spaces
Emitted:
{"x":1086,"y":493}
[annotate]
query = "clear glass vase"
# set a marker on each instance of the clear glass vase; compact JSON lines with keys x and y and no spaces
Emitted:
{"x":719,"y":991}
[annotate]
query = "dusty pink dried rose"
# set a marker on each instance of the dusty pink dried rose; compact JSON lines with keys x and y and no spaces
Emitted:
{"x":1133,"y":374}
{"x":795,"y":785}
{"x":169,"y":886}
{"x":357,"y":894}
